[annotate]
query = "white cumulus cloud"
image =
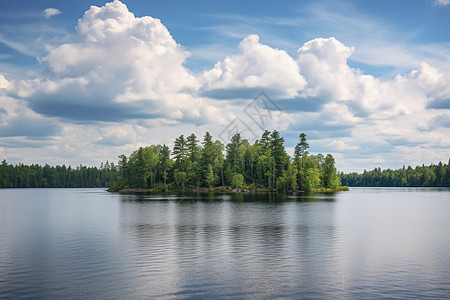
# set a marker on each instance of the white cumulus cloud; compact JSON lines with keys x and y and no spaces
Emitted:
{"x":5,"y":84}
{"x":51,"y":12}
{"x":117,"y":67}
{"x":255,"y":67}
{"x":323,"y":63}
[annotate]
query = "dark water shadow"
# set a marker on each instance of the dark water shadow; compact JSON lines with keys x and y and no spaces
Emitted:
{"x":212,"y":197}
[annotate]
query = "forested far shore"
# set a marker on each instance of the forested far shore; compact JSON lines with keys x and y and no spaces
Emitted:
{"x":434,"y":175}
{"x":263,"y":165}
{"x":36,"y":176}
{"x":213,"y":166}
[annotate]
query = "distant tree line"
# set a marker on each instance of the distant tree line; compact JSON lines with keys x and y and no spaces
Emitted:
{"x":239,"y":164}
{"x":36,"y":176}
{"x":428,"y":176}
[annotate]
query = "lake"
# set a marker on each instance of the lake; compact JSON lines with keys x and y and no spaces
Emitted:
{"x":368,"y":243}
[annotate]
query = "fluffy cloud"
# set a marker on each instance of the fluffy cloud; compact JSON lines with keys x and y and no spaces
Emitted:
{"x":323,"y":62}
{"x":118,"y":135}
{"x":18,"y":120}
{"x":5,"y":84}
{"x":117,"y":67}
{"x":51,"y":12}
{"x":434,"y":83}
{"x":257,"y":67}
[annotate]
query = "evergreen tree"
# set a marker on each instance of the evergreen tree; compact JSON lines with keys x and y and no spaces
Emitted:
{"x":234,"y":155}
{"x":211,"y":178}
{"x":330,"y":179}
{"x":300,"y":154}
{"x":300,"y":149}
{"x":218,"y":162}
{"x":139,"y":168}
{"x":264,"y":143}
{"x":180,"y":153}
{"x":164,"y":164}
{"x":280,"y":157}
{"x":193,"y":149}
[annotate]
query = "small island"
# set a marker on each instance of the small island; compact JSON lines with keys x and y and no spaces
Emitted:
{"x":238,"y":166}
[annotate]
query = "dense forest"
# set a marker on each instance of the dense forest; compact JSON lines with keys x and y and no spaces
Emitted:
{"x":191,"y":164}
{"x":430,"y":176}
{"x":36,"y":176}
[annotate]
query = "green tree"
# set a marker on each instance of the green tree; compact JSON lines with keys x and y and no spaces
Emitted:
{"x":164,"y":164}
{"x":180,"y":179}
{"x":218,"y":162}
{"x":300,"y":154}
{"x":238,"y":181}
{"x":311,"y":179}
{"x":263,"y":170}
{"x":193,"y":149}
{"x":264,"y":143}
{"x":280,"y":157}
{"x":139,"y":168}
{"x":180,"y":153}
{"x":208,"y":155}
{"x":211,"y":178}
{"x":290,"y":177}
{"x":330,"y":178}
{"x":234,"y":154}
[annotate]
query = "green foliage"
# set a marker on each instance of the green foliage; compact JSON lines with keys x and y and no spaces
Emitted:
{"x":280,"y":157}
{"x":300,"y":149}
{"x":210,"y":177}
{"x":235,"y":153}
{"x":180,"y":153}
{"x":211,"y":155}
{"x":291,"y":177}
{"x":164,"y":164}
{"x":329,"y":177}
{"x":238,"y":181}
{"x":36,"y":176}
{"x":180,"y":179}
{"x":434,"y":175}
{"x":265,"y":165}
{"x":193,"y":149}
{"x":311,"y":179}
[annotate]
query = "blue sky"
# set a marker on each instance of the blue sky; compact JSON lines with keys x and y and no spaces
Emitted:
{"x":368,"y":81}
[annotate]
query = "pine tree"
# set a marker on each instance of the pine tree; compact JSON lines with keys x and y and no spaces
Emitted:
{"x":279,"y":154}
{"x":164,"y":164}
{"x":193,"y":149}
{"x":301,"y":147}
{"x":180,"y":152}
{"x":233,"y":153}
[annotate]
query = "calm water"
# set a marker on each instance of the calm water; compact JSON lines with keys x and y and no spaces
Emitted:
{"x":90,"y":244}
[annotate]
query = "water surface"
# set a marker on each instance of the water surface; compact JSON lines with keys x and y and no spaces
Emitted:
{"x":369,"y":243}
